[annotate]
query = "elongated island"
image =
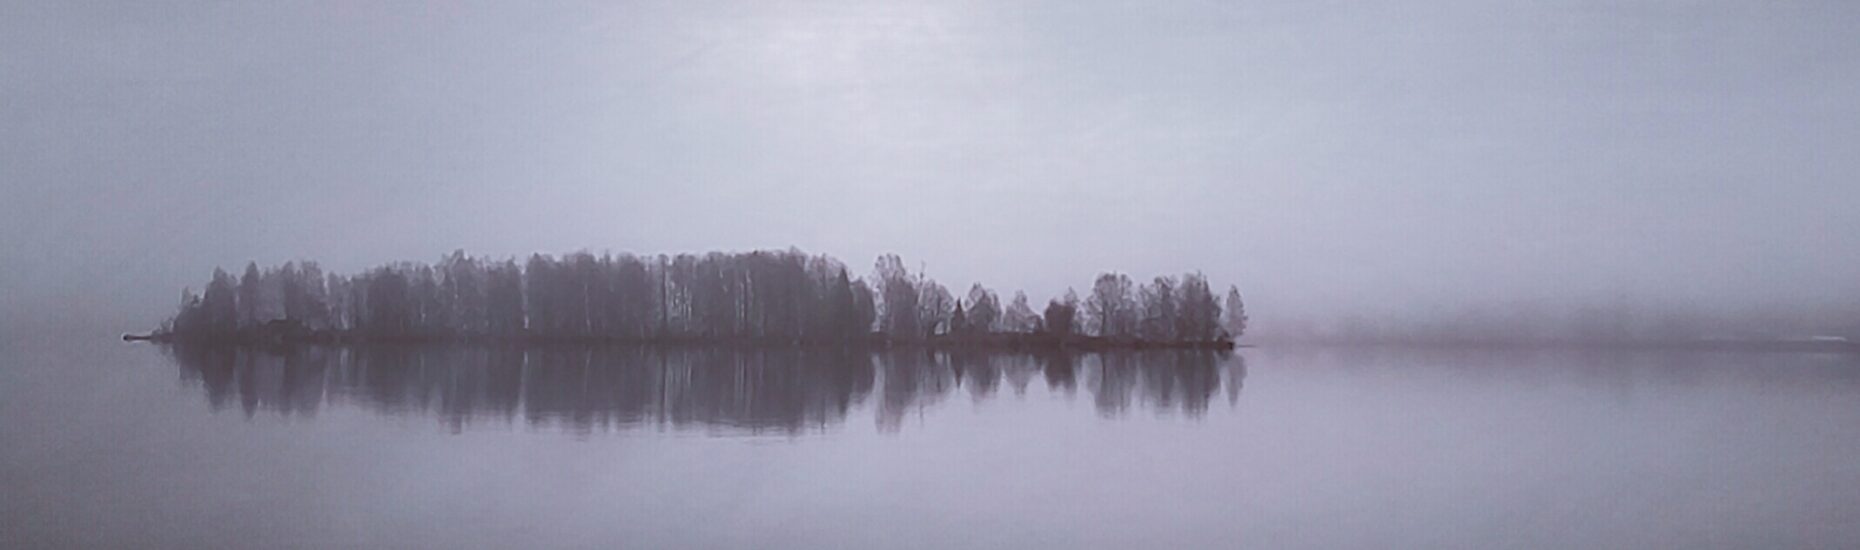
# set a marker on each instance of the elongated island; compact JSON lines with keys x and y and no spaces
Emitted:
{"x":759,"y":298}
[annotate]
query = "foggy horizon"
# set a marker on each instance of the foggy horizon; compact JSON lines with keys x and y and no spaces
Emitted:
{"x":750,"y":274}
{"x":1398,"y":162}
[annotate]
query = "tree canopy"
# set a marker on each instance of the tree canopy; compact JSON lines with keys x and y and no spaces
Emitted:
{"x":777,"y":296}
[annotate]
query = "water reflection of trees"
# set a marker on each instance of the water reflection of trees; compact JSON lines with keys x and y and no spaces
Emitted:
{"x":614,"y":388}
{"x":1166,"y":381}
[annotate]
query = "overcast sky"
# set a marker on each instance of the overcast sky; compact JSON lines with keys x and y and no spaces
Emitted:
{"x":1324,"y":156}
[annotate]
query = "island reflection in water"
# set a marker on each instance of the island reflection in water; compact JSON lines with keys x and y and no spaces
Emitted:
{"x":591,"y":389}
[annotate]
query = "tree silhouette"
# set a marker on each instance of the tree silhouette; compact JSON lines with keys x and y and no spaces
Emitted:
{"x":898,"y":289}
{"x":781,"y":296}
{"x":1062,"y":315}
{"x":1236,"y":313}
{"x":1111,"y":308}
{"x":1159,"y":316}
{"x":249,"y":296}
{"x":1200,"y":315}
{"x":220,"y":306}
{"x":984,"y":310}
{"x":1019,"y":316}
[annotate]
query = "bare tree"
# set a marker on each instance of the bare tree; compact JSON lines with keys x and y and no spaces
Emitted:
{"x":1019,"y":316}
{"x":897,"y":291}
{"x":1111,"y":306}
{"x":984,"y":314}
{"x":1159,"y":318}
{"x":934,"y":305}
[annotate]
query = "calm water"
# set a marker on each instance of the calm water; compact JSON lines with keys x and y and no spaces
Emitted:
{"x":109,"y":444}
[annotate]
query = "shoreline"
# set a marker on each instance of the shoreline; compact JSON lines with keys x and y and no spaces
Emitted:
{"x":979,"y":342}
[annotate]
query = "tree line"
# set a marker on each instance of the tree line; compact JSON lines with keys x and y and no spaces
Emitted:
{"x":759,"y":296}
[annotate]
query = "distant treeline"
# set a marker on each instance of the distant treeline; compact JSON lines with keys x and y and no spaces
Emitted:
{"x":754,"y":297}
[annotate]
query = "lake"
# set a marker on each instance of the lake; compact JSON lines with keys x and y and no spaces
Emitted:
{"x":109,"y":444}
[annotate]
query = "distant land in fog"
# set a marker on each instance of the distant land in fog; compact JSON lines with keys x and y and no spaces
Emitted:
{"x":789,"y":297}
{"x":759,"y":297}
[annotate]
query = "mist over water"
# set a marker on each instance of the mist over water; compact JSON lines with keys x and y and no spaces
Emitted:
{"x":127,"y":445}
{"x":1521,"y":274}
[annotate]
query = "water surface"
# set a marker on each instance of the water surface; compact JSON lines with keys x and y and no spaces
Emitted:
{"x":119,"y":445}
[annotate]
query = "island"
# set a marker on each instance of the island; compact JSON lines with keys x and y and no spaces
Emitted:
{"x":757,"y":298}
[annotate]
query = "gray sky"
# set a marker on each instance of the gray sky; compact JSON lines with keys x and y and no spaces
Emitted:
{"x":1325,"y":156}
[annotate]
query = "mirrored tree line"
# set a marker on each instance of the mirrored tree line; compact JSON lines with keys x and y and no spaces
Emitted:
{"x":778,"y":296}
{"x":788,"y":390}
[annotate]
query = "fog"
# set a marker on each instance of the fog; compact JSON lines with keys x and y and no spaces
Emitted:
{"x":1340,"y":160}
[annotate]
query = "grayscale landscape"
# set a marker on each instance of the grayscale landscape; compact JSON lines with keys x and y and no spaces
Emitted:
{"x":927,"y":274}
